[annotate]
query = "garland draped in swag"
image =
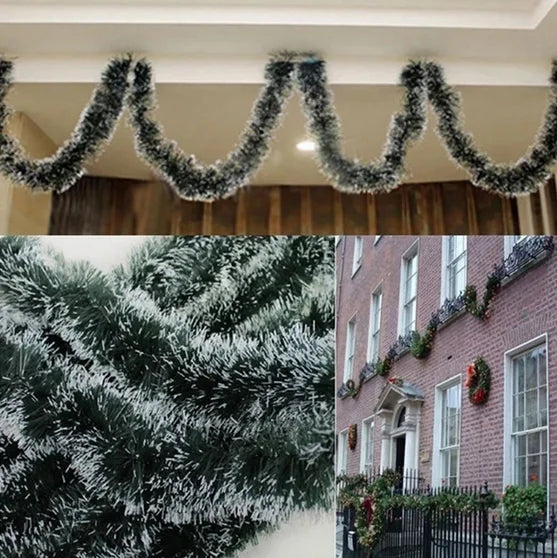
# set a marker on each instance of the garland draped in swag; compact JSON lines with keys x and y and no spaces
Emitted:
{"x":129,"y":83}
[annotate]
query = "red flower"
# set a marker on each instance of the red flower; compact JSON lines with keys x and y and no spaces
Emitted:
{"x":367,"y":504}
{"x":533,"y":477}
{"x":471,"y":374}
{"x":479,"y":396}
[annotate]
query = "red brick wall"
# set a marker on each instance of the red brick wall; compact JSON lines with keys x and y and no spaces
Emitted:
{"x":525,"y":308}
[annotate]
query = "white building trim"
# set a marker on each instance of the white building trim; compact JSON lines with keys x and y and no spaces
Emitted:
{"x":507,"y":428}
{"x":409,"y":253}
{"x":437,"y":426}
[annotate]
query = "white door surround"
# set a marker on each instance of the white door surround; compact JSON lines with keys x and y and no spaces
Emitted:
{"x":398,"y":413}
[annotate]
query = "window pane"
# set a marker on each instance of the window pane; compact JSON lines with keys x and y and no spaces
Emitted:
{"x":369,"y":443}
{"x":533,"y":468}
{"x":531,"y":417}
{"x":543,"y":406}
{"x":531,"y":371}
{"x":518,"y":384}
{"x":543,"y":470}
{"x":520,"y":446}
{"x":520,"y":471}
{"x":518,"y":413}
{"x":534,"y":443}
{"x":409,"y":317}
{"x":542,"y":366}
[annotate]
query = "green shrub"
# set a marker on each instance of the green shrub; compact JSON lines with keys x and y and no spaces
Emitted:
{"x":524,"y":504}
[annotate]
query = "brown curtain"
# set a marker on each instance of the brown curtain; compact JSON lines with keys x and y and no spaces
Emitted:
{"x":115,"y":206}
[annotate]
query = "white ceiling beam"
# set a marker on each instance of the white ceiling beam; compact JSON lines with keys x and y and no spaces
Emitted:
{"x":249,"y":70}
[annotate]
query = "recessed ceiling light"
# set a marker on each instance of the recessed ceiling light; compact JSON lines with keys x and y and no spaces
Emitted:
{"x":306,"y":145}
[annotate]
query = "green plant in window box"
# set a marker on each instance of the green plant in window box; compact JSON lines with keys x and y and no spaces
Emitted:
{"x":383,"y":366}
{"x":421,"y":344}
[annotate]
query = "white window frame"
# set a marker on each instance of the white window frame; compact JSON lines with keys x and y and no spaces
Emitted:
{"x":350,"y":346}
{"x":342,"y":452}
{"x":508,"y":458}
{"x":374,"y":336}
{"x":367,"y":423}
{"x":358,"y":254}
{"x":512,"y":241}
{"x":410,"y":253}
{"x":436,"y":465}
{"x":445,"y":263}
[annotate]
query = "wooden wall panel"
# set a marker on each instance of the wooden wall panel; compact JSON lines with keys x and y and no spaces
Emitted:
{"x":112,"y":206}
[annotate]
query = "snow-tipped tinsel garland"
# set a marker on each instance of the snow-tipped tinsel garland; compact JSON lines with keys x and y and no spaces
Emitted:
{"x":190,"y":179}
{"x":406,"y":126}
{"x":422,"y":81}
{"x":94,"y":129}
{"x":525,"y":176}
{"x":177,"y":407}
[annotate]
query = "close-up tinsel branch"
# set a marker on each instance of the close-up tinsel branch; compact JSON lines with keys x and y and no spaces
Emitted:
{"x":157,"y":410}
{"x":423,"y":82}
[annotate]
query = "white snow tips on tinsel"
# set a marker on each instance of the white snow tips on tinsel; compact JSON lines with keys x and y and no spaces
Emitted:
{"x":129,"y":82}
{"x":178,"y":405}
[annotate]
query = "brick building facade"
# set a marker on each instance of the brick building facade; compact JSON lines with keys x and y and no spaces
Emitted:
{"x":390,"y":285}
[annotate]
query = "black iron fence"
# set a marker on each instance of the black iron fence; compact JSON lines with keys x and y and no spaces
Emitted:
{"x":431,"y":532}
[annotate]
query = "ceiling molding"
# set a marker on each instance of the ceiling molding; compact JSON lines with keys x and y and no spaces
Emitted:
{"x":249,"y":70}
{"x":500,"y":14}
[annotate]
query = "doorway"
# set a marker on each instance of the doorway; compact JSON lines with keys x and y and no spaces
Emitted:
{"x":400,"y":450}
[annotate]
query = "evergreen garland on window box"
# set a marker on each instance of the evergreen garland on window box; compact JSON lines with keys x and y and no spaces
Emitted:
{"x":352,"y":388}
{"x":481,"y":310}
{"x":383,"y":366}
{"x":422,"y":344}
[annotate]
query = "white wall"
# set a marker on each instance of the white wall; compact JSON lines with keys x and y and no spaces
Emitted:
{"x":307,"y":535}
{"x":104,"y":252}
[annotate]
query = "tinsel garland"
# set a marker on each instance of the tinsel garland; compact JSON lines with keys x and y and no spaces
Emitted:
{"x":94,"y":129}
{"x":156,"y":411}
{"x":190,"y":179}
{"x":423,"y":83}
{"x":525,"y":176}
{"x":408,"y":125}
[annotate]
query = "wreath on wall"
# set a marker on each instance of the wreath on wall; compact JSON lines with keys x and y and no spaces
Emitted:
{"x":353,"y":436}
{"x":478,"y":381}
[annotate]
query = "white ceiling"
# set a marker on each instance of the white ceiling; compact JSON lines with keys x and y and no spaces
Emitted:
{"x":499,"y":42}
